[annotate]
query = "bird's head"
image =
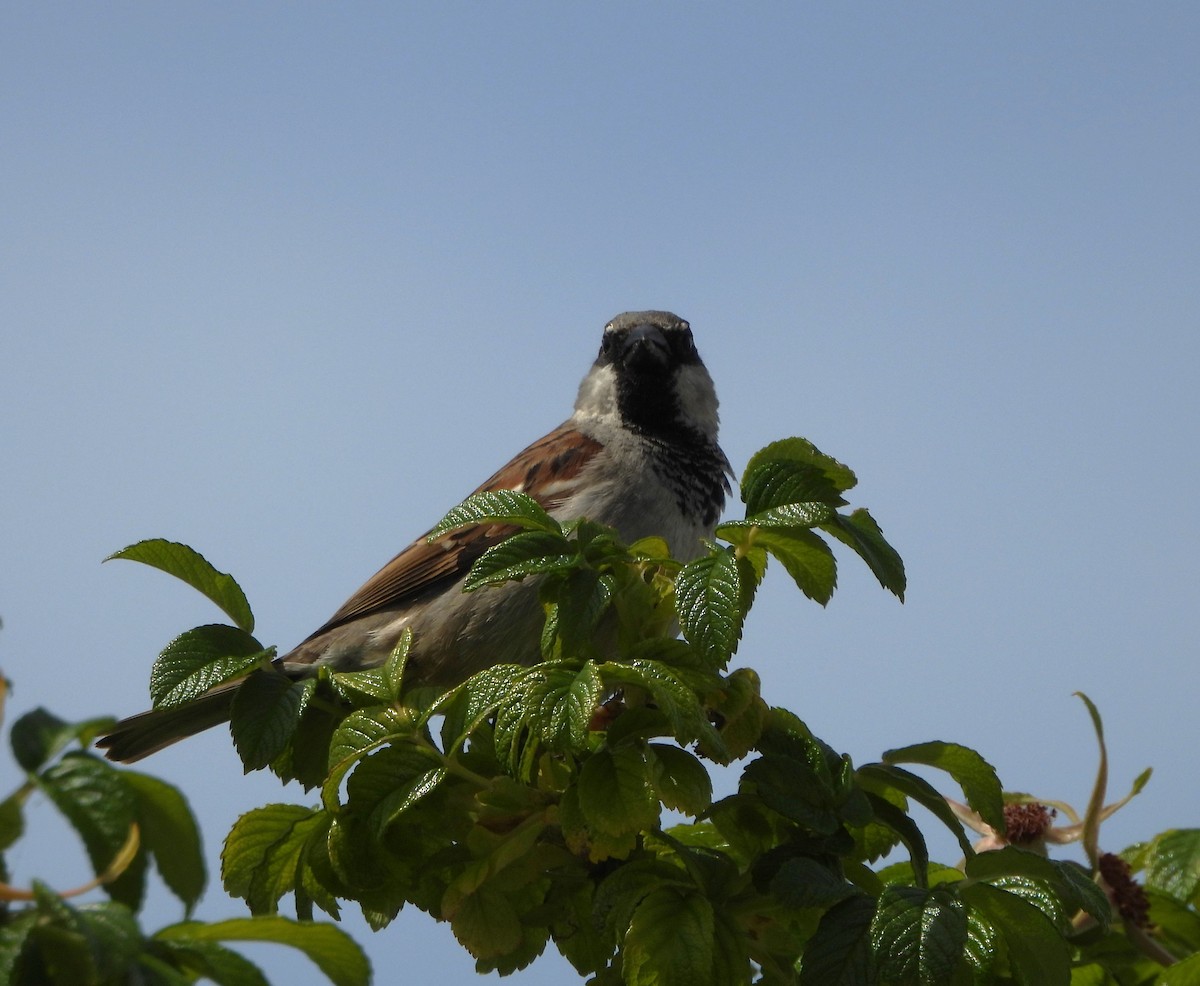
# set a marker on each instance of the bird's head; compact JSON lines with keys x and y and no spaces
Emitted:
{"x":649,"y":374}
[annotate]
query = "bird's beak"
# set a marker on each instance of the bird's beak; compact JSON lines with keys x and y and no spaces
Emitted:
{"x":646,"y":346}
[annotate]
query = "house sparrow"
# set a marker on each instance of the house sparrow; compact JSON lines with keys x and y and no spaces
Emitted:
{"x":639,"y":454}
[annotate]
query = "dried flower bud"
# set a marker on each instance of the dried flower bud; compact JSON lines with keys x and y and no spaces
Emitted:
{"x":1027,"y":823}
{"x":1124,"y":891}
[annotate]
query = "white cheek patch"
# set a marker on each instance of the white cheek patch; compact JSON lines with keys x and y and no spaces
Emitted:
{"x":697,"y":398}
{"x":598,"y":392}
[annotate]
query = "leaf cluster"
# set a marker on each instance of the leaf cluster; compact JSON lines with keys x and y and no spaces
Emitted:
{"x":128,"y":822}
{"x":571,"y":802}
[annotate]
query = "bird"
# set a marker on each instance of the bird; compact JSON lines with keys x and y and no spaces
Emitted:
{"x":639,"y":454}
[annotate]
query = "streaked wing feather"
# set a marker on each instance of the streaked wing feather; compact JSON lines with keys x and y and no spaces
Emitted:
{"x":423,"y":568}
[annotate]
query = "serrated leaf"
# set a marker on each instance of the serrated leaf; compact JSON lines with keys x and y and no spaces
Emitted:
{"x":265,"y":714}
{"x":615,"y":793}
{"x":1173,"y":864}
{"x":840,"y":953}
{"x":397,"y":662}
{"x":792,"y":788}
{"x":561,"y":705}
{"x":785,"y":517}
{"x":1056,"y":888}
{"x":409,"y":793}
{"x":485,"y":924}
{"x":974,"y":775}
{"x":713,"y":594}
{"x":679,"y":779}
{"x":918,"y":935}
{"x":246,"y":858}
{"x":497,"y":507}
{"x":669,"y":941}
{"x":531,"y":553}
{"x":793,"y":470}
{"x":169,"y":832}
{"x":672,"y":697}
{"x":468,"y":705}
{"x":361,"y":732}
{"x":982,"y":948}
{"x":860,"y":532}
{"x":189,"y":566}
{"x":200,"y":659}
{"x":583,"y":598}
{"x":1037,"y":954}
{"x":806,"y":558}
{"x":332,"y":950}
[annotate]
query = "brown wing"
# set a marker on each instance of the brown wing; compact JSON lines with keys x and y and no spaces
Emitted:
{"x":423,"y":568}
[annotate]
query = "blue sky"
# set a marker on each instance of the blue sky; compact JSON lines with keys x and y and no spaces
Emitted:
{"x":286,"y":281}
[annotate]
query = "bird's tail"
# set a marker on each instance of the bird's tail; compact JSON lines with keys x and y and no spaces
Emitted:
{"x":148,"y":732}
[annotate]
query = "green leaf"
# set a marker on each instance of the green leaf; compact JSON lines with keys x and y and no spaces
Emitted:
{"x":900,"y":823}
{"x":679,"y":779}
{"x":393,"y":670}
{"x":860,"y":532}
{"x":561,"y":705}
{"x":14,"y":936}
{"x":333,"y":951}
{"x":1176,"y":926}
{"x":670,"y":940}
{"x":259,"y":856}
{"x":92,"y":796}
{"x":212,"y":961}
{"x":497,"y":507}
{"x":806,"y":558}
{"x":190,"y":566}
{"x":615,"y":793}
{"x":200,"y":659}
{"x":672,"y":697}
{"x":583,"y":597}
{"x":983,"y":950}
{"x":38,"y":736}
{"x":1037,"y":954}
{"x":793,"y":470}
{"x":531,"y":553}
{"x":468,"y":705}
{"x":918,"y":935}
{"x":485,"y":924}
{"x":785,"y":517}
{"x":1058,"y":889}
{"x":1183,"y":973}
{"x":265,"y":713}
{"x":792,"y":788}
{"x":358,"y":734}
{"x":12,"y":820}
{"x":170,"y":833}
{"x":713,"y":594}
{"x":840,"y":952}
{"x":879,"y":778}
{"x":803,"y":882}
{"x":974,"y":775}
{"x":1173,"y":864}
